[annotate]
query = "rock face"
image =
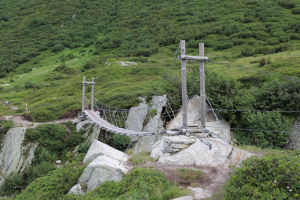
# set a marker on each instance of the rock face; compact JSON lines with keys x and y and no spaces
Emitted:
{"x":12,"y":152}
{"x":90,"y":130}
{"x":98,"y":148}
{"x":200,"y":193}
{"x":294,"y":140}
{"x":136,"y":120}
{"x":197,"y":153}
{"x":106,"y":164}
{"x":193,"y":118}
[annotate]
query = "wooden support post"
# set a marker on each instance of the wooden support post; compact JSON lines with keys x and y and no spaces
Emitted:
{"x":83,"y":93}
{"x":202,"y":87}
{"x":184,"y":86}
{"x":92,"y":95}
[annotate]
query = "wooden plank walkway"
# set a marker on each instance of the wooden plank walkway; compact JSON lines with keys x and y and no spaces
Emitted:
{"x":112,"y":128}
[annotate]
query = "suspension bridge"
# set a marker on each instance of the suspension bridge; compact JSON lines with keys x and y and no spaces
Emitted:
{"x":114,"y":119}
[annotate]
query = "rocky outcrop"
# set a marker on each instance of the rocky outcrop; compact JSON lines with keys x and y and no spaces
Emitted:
{"x":89,"y":129}
{"x":193,"y":118}
{"x":13,"y":156}
{"x":98,"y":148}
{"x":197,"y":153}
{"x":200,"y":193}
{"x":294,"y":140}
{"x":106,"y":164}
{"x":137,"y":118}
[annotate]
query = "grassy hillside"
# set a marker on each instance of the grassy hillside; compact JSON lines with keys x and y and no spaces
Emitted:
{"x":47,"y":46}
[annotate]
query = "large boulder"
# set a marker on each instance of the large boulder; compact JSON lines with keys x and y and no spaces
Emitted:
{"x":294,"y":140}
{"x":90,"y":130}
{"x":98,"y":148}
{"x":137,"y":116}
{"x":14,"y":157}
{"x":153,"y":124}
{"x":191,"y":151}
{"x":219,"y":126}
{"x":102,"y":169}
{"x":105,"y":164}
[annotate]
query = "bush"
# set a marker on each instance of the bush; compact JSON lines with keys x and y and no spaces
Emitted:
{"x":42,"y":115}
{"x":58,"y":48}
{"x":138,"y":184}
{"x":248,"y":51}
{"x":54,"y":185}
{"x":120,"y":142}
{"x":274,"y":176}
{"x":278,"y":127}
{"x":225,"y":45}
{"x":6,"y":125}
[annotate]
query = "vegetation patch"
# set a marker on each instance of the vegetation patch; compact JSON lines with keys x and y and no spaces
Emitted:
{"x":137,"y":184}
{"x":274,"y":176}
{"x":141,"y":158}
{"x":190,"y":175}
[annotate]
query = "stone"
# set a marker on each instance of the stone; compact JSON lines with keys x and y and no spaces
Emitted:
{"x":157,"y":150}
{"x":126,"y":64}
{"x":102,"y":169}
{"x":155,"y":124}
{"x":237,"y":156}
{"x":197,"y":153}
{"x":137,"y":116}
{"x":14,"y":157}
{"x":90,"y":130}
{"x":294,"y":139}
{"x":82,"y":125}
{"x":98,"y":148}
{"x":193,"y":118}
{"x":77,"y":190}
{"x":184,"y":198}
{"x":200,"y":193}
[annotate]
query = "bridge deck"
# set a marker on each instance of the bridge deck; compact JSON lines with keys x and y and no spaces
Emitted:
{"x":112,"y":128}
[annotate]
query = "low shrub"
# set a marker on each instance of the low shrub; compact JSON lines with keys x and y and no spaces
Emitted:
{"x":5,"y":125}
{"x":274,"y":176}
{"x":54,"y":185}
{"x":141,"y":158}
{"x":120,"y":142}
{"x":138,"y":184}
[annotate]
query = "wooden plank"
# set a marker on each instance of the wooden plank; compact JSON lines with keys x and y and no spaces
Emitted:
{"x":193,"y":58}
{"x":184,"y":86}
{"x":83,"y":93}
{"x":202,"y":87}
{"x":92,"y":94}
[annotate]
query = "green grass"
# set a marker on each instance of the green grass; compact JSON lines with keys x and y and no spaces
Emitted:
{"x":190,"y":175}
{"x":141,"y":158}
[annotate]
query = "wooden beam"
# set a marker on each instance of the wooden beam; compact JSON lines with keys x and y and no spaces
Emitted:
{"x":202,"y":87}
{"x":83,"y":93}
{"x":193,"y":58}
{"x":184,"y":86}
{"x":92,"y":94}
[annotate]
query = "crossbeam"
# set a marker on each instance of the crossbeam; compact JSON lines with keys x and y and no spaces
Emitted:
{"x":193,"y":58}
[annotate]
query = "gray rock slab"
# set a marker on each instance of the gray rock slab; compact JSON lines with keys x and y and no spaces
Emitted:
{"x":102,"y":169}
{"x":199,"y":154}
{"x":12,"y":155}
{"x":200,"y":193}
{"x":193,"y":118}
{"x":77,"y":190}
{"x":137,"y":116}
{"x":98,"y":148}
{"x":294,"y":139}
{"x":184,"y":198}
